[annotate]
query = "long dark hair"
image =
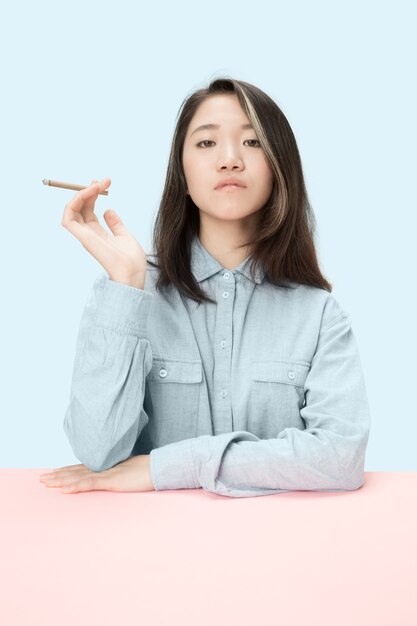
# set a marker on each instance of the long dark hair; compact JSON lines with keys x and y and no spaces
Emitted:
{"x":283,"y":242}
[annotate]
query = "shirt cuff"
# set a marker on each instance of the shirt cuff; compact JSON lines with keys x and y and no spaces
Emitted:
{"x":122,"y":307}
{"x":172,"y":466}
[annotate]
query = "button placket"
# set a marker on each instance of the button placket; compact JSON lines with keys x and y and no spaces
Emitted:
{"x":224,"y":334}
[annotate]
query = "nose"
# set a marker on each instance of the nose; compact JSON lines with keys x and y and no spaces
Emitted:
{"x":230,"y":160}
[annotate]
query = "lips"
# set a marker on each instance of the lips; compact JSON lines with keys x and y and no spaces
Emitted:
{"x":230,"y":182}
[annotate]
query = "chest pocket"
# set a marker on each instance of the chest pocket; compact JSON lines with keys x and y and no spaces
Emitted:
{"x":276,"y":396}
{"x":171,"y":400}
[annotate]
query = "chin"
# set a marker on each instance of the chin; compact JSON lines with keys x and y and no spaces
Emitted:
{"x":229,"y":215}
{"x":231,"y":211}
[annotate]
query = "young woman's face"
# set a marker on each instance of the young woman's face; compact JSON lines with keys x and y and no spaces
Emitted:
{"x":213,"y":155}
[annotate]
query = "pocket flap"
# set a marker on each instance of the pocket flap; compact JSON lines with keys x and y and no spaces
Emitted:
{"x":175,"y":371}
{"x":286,"y":372}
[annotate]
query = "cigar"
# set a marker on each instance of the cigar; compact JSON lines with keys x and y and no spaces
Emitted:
{"x":57,"y":183}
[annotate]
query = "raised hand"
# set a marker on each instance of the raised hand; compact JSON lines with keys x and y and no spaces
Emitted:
{"x":118,"y":252}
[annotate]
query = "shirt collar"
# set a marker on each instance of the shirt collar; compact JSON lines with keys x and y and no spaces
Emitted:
{"x":203,"y":265}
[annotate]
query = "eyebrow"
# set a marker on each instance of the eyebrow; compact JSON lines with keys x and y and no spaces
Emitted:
{"x":211,"y":126}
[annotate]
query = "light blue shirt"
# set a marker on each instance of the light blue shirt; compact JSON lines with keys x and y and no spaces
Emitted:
{"x":261,"y":393}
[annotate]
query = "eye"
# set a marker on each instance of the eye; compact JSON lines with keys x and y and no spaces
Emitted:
{"x":205,"y":141}
{"x":256,"y":140}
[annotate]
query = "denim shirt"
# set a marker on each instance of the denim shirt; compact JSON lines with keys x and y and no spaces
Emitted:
{"x":260,"y":393}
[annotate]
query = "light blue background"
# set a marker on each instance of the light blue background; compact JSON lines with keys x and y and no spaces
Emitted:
{"x":92,"y":89}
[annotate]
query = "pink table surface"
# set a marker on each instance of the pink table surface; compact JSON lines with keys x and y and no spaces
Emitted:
{"x":191,"y":557}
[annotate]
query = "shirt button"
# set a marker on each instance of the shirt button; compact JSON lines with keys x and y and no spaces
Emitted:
{"x":224,"y":393}
{"x":225,"y":294}
{"x":223,"y":343}
{"x":291,"y":375}
{"x":226,"y":275}
{"x":162,"y":373}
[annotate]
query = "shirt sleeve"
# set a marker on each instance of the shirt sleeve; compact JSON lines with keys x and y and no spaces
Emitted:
{"x":113,"y":355}
{"x":329,"y":455}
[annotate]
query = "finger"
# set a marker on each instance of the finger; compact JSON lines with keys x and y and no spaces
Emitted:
{"x":88,"y":210}
{"x":75,"y":473}
{"x":89,"y":234}
{"x":83,"y":483}
{"x":86,"y":484}
{"x":59,"y":478}
{"x":80,"y":211}
{"x":105,"y":183}
{"x":75,"y":210}
{"x":114,"y":222}
{"x":83,"y":202}
{"x":60,"y":471}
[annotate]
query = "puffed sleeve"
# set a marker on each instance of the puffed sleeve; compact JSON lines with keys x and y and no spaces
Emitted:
{"x":113,"y":356}
{"x":329,"y":455}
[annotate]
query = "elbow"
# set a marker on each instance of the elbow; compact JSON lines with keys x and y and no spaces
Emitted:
{"x":90,"y":459}
{"x":88,"y":454}
{"x":352,"y":482}
{"x":99,"y":445}
{"x":351,"y":473}
{"x":97,"y":448}
{"x":97,"y":466}
{"x":93,"y":462}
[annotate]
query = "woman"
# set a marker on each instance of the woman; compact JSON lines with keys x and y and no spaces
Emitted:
{"x":224,"y":362}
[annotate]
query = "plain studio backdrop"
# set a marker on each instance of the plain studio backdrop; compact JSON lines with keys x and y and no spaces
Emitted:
{"x":92,"y":89}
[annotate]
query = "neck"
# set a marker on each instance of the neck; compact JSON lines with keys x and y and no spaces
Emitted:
{"x":223,"y":244}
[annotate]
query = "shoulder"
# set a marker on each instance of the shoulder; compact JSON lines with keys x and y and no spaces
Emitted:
{"x":315,"y":301}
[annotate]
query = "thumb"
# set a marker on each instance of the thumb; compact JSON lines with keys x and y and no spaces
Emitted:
{"x":114,"y":222}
